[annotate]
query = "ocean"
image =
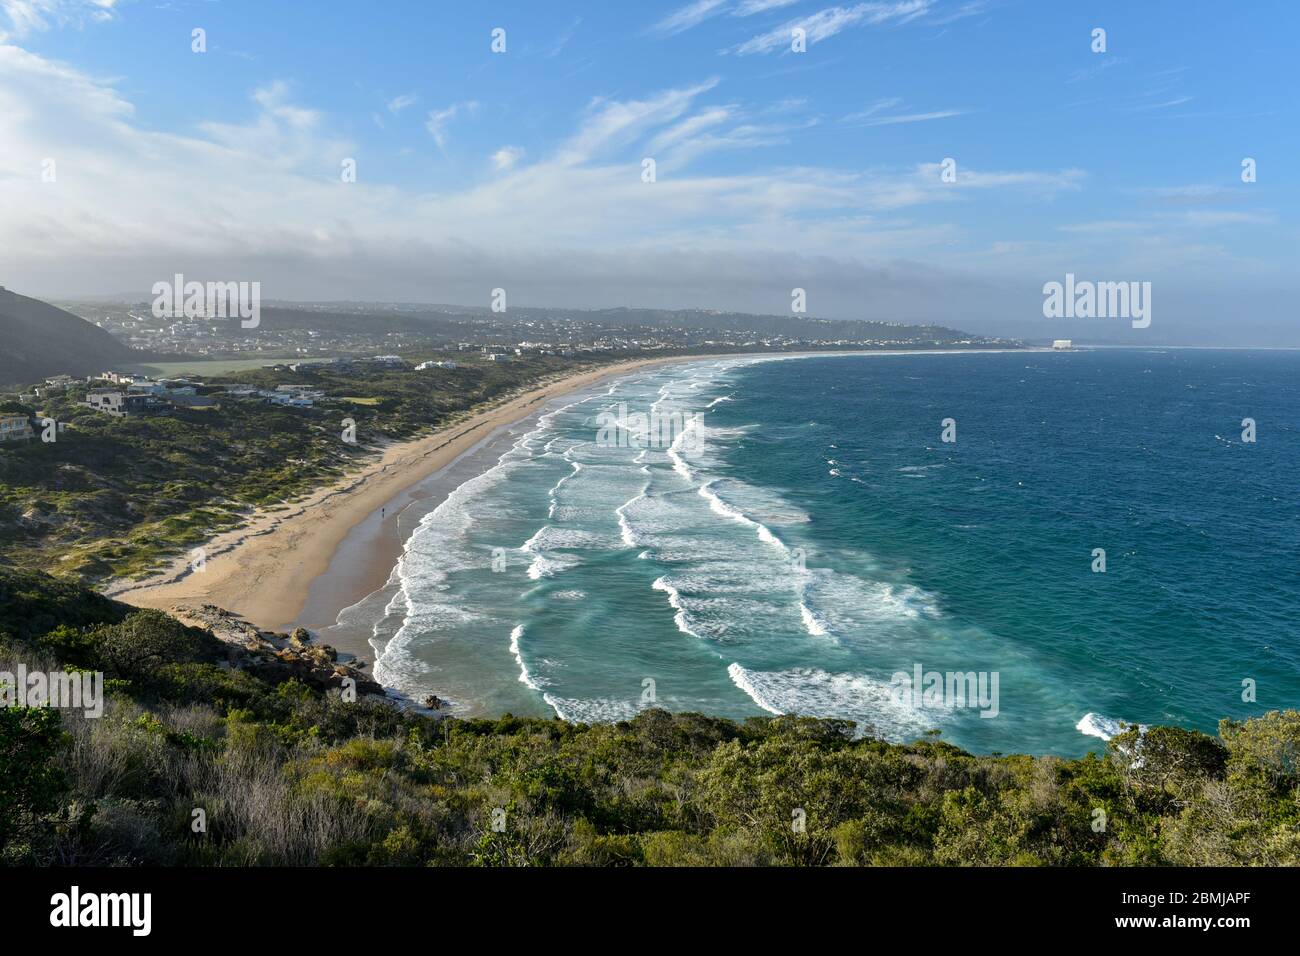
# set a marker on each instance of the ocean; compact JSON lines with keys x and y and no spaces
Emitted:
{"x":747,"y":537}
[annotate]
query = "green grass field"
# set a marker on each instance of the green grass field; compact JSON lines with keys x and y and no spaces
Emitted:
{"x":207,"y":367}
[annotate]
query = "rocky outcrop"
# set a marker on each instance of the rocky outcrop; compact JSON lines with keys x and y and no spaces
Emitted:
{"x":276,"y":655}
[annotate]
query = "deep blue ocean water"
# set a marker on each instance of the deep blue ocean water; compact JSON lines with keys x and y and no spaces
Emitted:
{"x":809,"y":536}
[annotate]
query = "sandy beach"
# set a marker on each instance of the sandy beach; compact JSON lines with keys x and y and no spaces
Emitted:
{"x":304,"y":563}
{"x":264,"y":571}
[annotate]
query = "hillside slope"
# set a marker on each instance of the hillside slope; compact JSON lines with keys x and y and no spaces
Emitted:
{"x":290,"y":774}
{"x":40,"y":340}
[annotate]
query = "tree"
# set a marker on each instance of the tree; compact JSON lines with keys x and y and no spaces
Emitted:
{"x":31,"y":783}
{"x":145,"y":641}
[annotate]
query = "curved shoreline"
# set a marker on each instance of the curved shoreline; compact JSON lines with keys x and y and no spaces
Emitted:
{"x":349,"y":535}
{"x":264,"y":570}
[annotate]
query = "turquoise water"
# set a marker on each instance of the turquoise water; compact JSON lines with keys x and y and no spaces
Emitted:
{"x":796,"y":534}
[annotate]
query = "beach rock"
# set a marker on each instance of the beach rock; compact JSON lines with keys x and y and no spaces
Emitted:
{"x":274,"y":655}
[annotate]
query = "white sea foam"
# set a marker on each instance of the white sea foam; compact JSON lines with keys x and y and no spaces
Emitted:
{"x":675,"y":452}
{"x":675,"y":602}
{"x":810,"y":692}
{"x":626,"y":532}
{"x":524,"y":677}
{"x":859,"y":609}
{"x":599,"y":711}
{"x":544,"y":567}
{"x":1098,"y":725}
{"x":545,"y":563}
{"x":913,"y":469}
{"x":720,"y":507}
{"x":813,"y":622}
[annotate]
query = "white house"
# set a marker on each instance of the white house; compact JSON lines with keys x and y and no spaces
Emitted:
{"x":15,"y":428}
{"x":1062,"y":345}
{"x":289,"y":399}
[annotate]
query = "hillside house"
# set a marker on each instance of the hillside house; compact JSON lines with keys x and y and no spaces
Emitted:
{"x":15,"y":428}
{"x":112,"y":401}
{"x":289,"y":399}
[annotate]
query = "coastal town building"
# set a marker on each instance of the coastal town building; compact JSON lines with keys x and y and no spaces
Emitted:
{"x":112,"y":401}
{"x":15,"y":428}
{"x":1062,"y":345}
{"x":119,"y":378}
{"x":294,"y":396}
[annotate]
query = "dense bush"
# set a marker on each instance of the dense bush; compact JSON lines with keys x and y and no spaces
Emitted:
{"x":32,"y":783}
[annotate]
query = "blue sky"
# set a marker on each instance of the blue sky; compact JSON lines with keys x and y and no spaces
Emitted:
{"x":819,"y":169}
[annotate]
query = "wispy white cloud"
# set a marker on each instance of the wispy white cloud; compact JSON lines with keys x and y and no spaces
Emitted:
{"x":1193,"y":194}
{"x":556,"y":46}
{"x":399,"y":103}
{"x":28,"y":16}
{"x":877,"y":114}
{"x":438,"y":120}
{"x":747,"y":8}
{"x":1162,"y":222}
{"x":507,"y":157}
{"x":880,"y":105}
{"x":827,"y":23}
{"x":1160,"y":105}
{"x":691,"y":15}
{"x":1103,"y":64}
{"x":1226,"y":217}
{"x":912,"y":118}
{"x":972,"y":8}
{"x":612,"y":123}
{"x":1104,"y":227}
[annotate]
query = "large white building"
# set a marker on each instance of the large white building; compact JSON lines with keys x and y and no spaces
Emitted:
{"x":1062,"y":345}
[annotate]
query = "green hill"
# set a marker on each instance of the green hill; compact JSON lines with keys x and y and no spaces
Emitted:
{"x":41,"y":340}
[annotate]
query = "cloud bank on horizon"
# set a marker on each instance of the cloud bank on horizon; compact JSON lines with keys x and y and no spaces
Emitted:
{"x":915,"y":160}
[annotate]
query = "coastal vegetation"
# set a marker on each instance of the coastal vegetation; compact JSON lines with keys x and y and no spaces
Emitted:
{"x":115,"y":497}
{"x":284,"y":773}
